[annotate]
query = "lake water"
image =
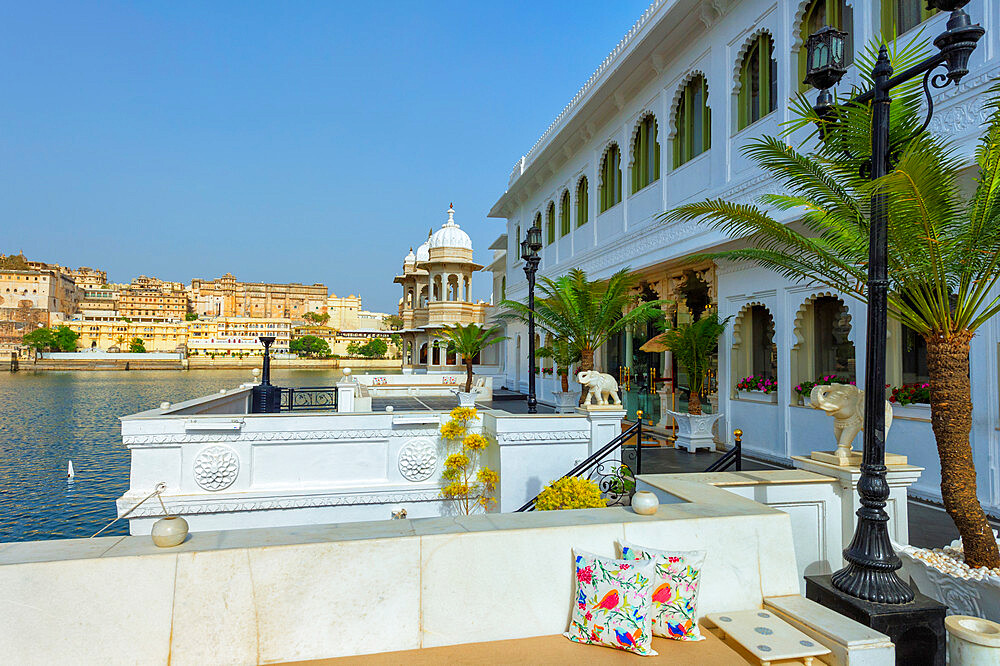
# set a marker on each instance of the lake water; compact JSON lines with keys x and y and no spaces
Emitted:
{"x":50,"y":418}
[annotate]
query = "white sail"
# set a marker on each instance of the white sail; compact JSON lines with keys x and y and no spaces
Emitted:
{"x":69,"y":471}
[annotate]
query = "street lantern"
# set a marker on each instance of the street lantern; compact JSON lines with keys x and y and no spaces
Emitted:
{"x":825,"y":58}
{"x":530,"y":246}
{"x":870,"y":574}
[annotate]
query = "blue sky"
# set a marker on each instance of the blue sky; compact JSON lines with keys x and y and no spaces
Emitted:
{"x":282,"y":141}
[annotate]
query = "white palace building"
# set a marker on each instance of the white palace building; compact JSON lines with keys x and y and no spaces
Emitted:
{"x":661,"y":122}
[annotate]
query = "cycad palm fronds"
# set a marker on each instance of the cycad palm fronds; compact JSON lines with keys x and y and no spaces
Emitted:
{"x":692,"y":345}
{"x":469,"y":340}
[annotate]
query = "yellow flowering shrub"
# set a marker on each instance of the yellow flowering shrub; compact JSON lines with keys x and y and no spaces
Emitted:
{"x":570,"y":492}
{"x":471,"y":485}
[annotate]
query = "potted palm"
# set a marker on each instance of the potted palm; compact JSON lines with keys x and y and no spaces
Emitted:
{"x":586,"y":313}
{"x":564,"y":355}
{"x":944,"y":253}
{"x":468,"y":341}
{"x":692,"y":345}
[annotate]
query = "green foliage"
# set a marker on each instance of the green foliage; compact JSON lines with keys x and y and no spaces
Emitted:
{"x":310,"y":345}
{"x":65,"y":338}
{"x":393,"y":322}
{"x":692,"y":346}
{"x":191,"y":316}
{"x":320,"y":318}
{"x":137,"y":346}
{"x":562,"y":352}
{"x":586,"y":313}
{"x":374,"y":348}
{"x":570,"y":492}
{"x":469,"y":340}
{"x":39,"y":340}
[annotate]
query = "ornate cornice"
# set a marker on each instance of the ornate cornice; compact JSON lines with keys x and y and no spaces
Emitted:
{"x":277,"y":436}
{"x":543,"y":437}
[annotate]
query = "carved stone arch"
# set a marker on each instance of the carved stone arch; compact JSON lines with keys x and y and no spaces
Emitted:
{"x":574,"y":192}
{"x":801,"y":351}
{"x":741,"y":356}
{"x":635,"y":131}
{"x":738,"y":320}
{"x":604,"y":155}
{"x":675,"y":100}
{"x":799,"y":16}
{"x":742,"y":53}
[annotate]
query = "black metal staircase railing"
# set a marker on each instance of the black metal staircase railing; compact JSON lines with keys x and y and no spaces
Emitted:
{"x":614,"y":475}
{"x":734,"y":456}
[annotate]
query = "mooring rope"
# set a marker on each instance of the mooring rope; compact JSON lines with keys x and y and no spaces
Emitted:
{"x":160,"y":487}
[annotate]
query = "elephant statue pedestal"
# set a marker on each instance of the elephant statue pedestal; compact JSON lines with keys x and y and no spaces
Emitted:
{"x":846,"y":404}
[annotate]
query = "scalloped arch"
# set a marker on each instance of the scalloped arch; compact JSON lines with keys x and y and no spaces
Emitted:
{"x":635,"y":130}
{"x":738,"y":320}
{"x":800,"y":12}
{"x":575,"y":194}
{"x":604,"y":156}
{"x":741,"y":54}
{"x":798,"y":339}
{"x":675,"y":100}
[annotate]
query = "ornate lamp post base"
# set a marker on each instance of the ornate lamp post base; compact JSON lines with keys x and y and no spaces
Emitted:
{"x":915,"y":627}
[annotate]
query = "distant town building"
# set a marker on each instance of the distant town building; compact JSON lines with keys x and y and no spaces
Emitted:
{"x":98,"y":302}
{"x":151,"y":299}
{"x":228,"y":297}
{"x":86,"y":277}
{"x":229,"y":336}
{"x":45,"y":289}
{"x":339,"y":340}
{"x":114,"y":333}
{"x":437,"y":291}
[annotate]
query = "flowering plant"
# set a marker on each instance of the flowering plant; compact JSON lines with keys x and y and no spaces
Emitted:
{"x":470,"y":485}
{"x":570,"y":492}
{"x":805,"y":388}
{"x":908,"y":394}
{"x":755,"y":383}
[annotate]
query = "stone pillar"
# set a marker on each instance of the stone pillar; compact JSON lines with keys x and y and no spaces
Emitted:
{"x":345,"y":393}
{"x":899,"y":478}
{"x":605,"y":424}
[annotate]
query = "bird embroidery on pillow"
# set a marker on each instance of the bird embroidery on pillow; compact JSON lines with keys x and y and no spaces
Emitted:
{"x":678,"y":630}
{"x":609,"y":601}
{"x":663,"y":594}
{"x":626,"y":639}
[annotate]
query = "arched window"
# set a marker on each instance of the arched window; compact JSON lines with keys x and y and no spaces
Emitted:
{"x":645,"y":154}
{"x":820,"y":13}
{"x":823,"y":346}
{"x":550,"y":224}
{"x":582,"y":202}
{"x":564,"y":223}
{"x":899,"y":16}
{"x":754,"y":350}
{"x":758,"y":94}
{"x":611,"y":177}
{"x":694,"y":122}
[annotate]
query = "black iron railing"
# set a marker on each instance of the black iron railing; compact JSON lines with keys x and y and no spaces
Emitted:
{"x":312,"y":398}
{"x":734,"y":456}
{"x":613,"y":467}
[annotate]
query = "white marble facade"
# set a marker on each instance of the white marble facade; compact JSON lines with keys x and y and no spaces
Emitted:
{"x":670,"y":43}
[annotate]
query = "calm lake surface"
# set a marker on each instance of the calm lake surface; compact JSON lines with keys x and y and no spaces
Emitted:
{"x":50,"y":418}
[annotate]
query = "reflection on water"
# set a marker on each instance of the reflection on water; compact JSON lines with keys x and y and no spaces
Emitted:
{"x":48,"y":419}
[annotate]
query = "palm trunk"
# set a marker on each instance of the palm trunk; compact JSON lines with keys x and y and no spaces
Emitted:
{"x":564,"y":379}
{"x":468,"y":375}
{"x":694,"y":403}
{"x":586,"y":363}
{"x":951,"y":419}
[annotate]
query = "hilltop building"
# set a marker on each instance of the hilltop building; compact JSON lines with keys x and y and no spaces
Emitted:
{"x":437,"y":291}
{"x":228,"y":297}
{"x":661,"y":123}
{"x":237,"y":335}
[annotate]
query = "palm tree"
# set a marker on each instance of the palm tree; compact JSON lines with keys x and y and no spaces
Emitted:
{"x":692,"y":345}
{"x":586,"y":313}
{"x":564,"y":354}
{"x":468,"y":341}
{"x":944,"y":252}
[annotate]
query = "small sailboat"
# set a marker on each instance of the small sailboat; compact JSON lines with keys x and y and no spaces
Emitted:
{"x":69,"y":471}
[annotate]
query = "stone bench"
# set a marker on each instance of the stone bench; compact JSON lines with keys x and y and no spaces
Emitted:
{"x":549,"y":650}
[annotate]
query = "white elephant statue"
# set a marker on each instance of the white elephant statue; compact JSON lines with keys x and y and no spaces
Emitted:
{"x":600,"y":385}
{"x":846,"y":404}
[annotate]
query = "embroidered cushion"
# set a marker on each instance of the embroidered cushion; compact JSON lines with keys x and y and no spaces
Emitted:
{"x":612,"y":603}
{"x":676,"y":577}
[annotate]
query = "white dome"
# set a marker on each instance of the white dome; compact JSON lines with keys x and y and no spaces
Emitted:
{"x":450,"y":234}
{"x":409,"y":258}
{"x":423,"y":252}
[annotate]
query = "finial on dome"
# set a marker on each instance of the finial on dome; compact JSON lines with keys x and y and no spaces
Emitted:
{"x":451,"y":214}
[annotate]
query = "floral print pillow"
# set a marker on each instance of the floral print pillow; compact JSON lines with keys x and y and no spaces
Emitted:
{"x":676,"y":577}
{"x":612,"y":603}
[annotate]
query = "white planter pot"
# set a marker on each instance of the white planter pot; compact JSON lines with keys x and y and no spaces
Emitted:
{"x":962,"y":596}
{"x":758,"y":396}
{"x":918,"y":410}
{"x":566,"y":401}
{"x":972,"y":641}
{"x":169,"y":531}
{"x":466,"y":399}
{"x":695,"y":432}
{"x":806,"y":402}
{"x":645,"y":503}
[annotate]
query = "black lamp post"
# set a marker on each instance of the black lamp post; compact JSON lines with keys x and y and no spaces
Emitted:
{"x":870,"y":573}
{"x":261,"y":398}
{"x":530,"y":246}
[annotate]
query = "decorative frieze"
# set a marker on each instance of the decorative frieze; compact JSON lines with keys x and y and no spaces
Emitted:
{"x":276,"y":436}
{"x":545,"y":436}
